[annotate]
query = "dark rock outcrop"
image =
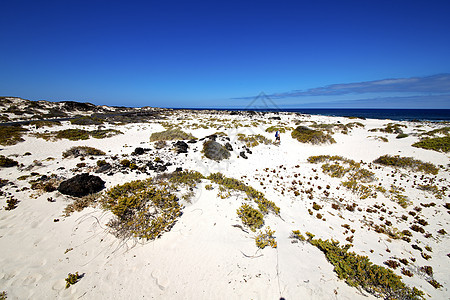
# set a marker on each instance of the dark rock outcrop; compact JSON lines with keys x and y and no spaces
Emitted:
{"x":81,"y":185}
{"x":229,"y":147}
{"x":215,"y":151}
{"x":138,"y":151}
{"x":242,"y":154}
{"x":181,"y":147}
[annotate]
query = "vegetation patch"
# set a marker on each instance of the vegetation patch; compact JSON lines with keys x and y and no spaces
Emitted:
{"x":266,"y":238}
{"x":87,"y":120}
{"x":6,"y":162}
{"x":338,"y":127}
{"x":251,"y":217}
{"x":82,"y":151}
{"x":407,"y":162}
{"x":440,"y":144}
{"x":438,"y":193}
{"x":78,"y":134}
{"x":43,"y":123}
{"x":390,"y":128}
{"x":170,"y":135}
{"x":11,"y":135}
{"x":264,"y":205}
{"x":306,"y":135}
{"x":253,"y":140}
{"x":141,"y":209}
{"x":81,"y":203}
{"x":72,"y":279}
{"x":358,"y":271}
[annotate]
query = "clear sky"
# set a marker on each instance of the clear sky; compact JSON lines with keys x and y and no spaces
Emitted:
{"x":366,"y":54}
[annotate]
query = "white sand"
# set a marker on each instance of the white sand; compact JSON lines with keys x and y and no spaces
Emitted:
{"x":203,"y":256}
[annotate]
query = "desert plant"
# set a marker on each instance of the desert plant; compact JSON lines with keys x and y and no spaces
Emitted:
{"x":440,"y":144}
{"x":171,"y":134}
{"x":141,"y":209}
{"x":86,"y":120}
{"x":266,"y":238}
{"x":358,"y":271}
{"x":251,"y":217}
{"x":297,"y":235}
{"x":82,"y":151}
{"x":407,"y":162}
{"x":6,"y":162}
{"x":306,"y":135}
{"x":253,"y":140}
{"x":11,"y":135}
{"x":72,"y":279}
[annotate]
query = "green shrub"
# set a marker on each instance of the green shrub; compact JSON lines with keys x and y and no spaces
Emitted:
{"x":358,"y":271}
{"x":438,"y":193}
{"x":11,"y":135}
{"x":275,"y":128}
{"x":3,"y":295}
{"x":407,"y":162}
{"x":86,"y":120}
{"x":434,"y":283}
{"x":251,"y":217}
{"x":264,"y":205}
{"x":171,"y":134}
{"x":11,"y":204}
{"x":444,"y":131}
{"x":82,"y":151}
{"x":209,"y":187}
{"x":401,"y":136}
{"x":362,"y":190}
{"x":78,"y":134}
{"x":42,"y":123}
{"x":81,"y":203}
{"x":6,"y":162}
{"x":297,"y":235}
{"x":187,"y":178}
{"x":390,"y":128}
{"x":306,"y":135}
{"x":397,"y":196}
{"x":141,"y":209}
{"x":266,"y":238}
{"x":72,"y":279}
{"x":440,"y":144}
{"x":253,"y":140}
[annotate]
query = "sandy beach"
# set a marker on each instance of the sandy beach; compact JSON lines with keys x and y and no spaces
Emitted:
{"x":209,"y":252}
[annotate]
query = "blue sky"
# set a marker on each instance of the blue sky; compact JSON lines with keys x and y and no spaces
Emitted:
{"x":367,"y":54}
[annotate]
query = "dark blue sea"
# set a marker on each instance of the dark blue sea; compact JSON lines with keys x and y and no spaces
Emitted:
{"x":434,"y":115}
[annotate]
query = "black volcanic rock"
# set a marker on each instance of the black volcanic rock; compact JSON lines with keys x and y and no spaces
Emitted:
{"x":81,"y":185}
{"x":181,"y":147}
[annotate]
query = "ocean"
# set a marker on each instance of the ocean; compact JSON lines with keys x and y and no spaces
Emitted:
{"x":434,"y":115}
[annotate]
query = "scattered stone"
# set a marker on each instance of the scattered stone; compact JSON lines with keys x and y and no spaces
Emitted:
{"x":138,"y":151}
{"x":81,"y":185}
{"x":242,"y":154}
{"x":103,"y":168}
{"x":193,"y":141}
{"x":181,"y":147}
{"x":229,"y":147}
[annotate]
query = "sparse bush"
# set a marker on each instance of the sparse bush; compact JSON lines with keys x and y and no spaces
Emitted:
{"x":264,"y":205}
{"x":392,"y":264}
{"x":438,"y":193}
{"x":251,"y":217}
{"x":80,"y":203}
{"x":72,"y":279}
{"x":357,"y":270}
{"x":209,"y":187}
{"x":11,"y":135}
{"x":407,"y":162}
{"x":266,"y":238}
{"x":297,"y":235}
{"x":11,"y":204}
{"x":6,"y":162}
{"x":427,"y":270}
{"x":82,"y":151}
{"x":281,"y":129}
{"x":187,"y":178}
{"x":253,"y":140}
{"x":44,"y":123}
{"x":434,"y":283}
{"x":407,"y":272}
{"x":316,"y":206}
{"x":306,"y":135}
{"x":440,"y":144}
{"x":78,"y":134}
{"x":141,"y":209}
{"x":87,"y":120}
{"x":390,"y":128}
{"x":170,"y":135}
{"x":401,"y":136}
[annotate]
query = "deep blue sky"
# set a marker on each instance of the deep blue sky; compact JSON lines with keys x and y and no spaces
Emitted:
{"x":224,"y":53}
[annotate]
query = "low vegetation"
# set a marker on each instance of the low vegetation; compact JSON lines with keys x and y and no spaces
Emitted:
{"x":306,"y":135}
{"x":390,"y":128}
{"x":358,"y":271}
{"x":6,"y":162}
{"x":43,"y":123}
{"x":72,"y":279}
{"x":251,"y":217}
{"x":407,"y":162}
{"x":170,"y":135}
{"x":11,"y":135}
{"x":87,"y":120}
{"x":338,"y":127}
{"x":78,"y":134}
{"x":82,"y":151}
{"x":440,"y":144}
{"x":264,"y":205}
{"x":266,"y":238}
{"x":253,"y":140}
{"x":141,"y":209}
